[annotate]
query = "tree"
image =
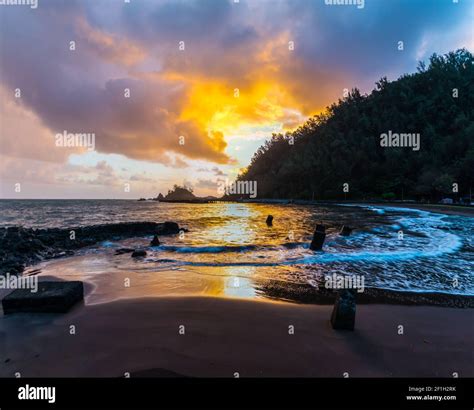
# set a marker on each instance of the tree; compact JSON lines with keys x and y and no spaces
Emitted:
{"x":342,"y":145}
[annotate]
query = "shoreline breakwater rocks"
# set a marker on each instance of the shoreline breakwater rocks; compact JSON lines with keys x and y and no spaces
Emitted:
{"x":309,"y":294}
{"x":21,"y":246}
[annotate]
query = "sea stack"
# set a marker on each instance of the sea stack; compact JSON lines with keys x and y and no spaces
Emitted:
{"x":318,"y":238}
{"x":343,"y":314}
{"x":155,"y":241}
{"x":269,"y":220}
{"x":345,"y":231}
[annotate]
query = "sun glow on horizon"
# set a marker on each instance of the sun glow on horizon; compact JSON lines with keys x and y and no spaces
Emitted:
{"x":218,"y":107}
{"x":247,"y":71}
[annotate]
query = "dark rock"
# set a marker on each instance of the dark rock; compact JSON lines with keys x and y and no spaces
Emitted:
{"x":51,"y":297}
{"x":155,"y":241}
{"x":12,"y":264}
{"x":180,"y":194}
{"x":318,"y":238}
{"x":138,"y":253}
{"x":62,"y":254}
{"x":168,"y":228}
{"x":121,"y":251}
{"x":343,"y":314}
{"x":319,"y":295}
{"x":23,"y":246}
{"x":345,"y":231}
{"x":37,"y":245}
{"x":269,"y":220}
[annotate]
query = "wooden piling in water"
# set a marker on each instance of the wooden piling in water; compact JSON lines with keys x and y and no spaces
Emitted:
{"x":318,"y":238}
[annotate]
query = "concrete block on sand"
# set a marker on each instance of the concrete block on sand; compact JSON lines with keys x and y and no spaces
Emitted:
{"x":51,"y":297}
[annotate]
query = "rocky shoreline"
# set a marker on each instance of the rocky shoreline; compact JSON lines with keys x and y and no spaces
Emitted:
{"x":21,"y":246}
{"x":307,"y":294}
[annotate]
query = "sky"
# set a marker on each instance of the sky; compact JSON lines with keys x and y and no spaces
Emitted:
{"x":185,"y":91}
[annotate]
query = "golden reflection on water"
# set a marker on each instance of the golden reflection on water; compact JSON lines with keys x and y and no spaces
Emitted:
{"x":104,"y":283}
{"x":218,"y":225}
{"x":245,"y":224}
{"x":239,"y":226}
{"x":229,"y":251}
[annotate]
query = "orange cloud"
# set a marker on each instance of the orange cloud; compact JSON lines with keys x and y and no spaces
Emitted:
{"x":205,"y":94}
{"x":108,"y":46}
{"x":277,"y":87}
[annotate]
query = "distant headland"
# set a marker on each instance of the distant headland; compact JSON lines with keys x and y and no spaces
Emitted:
{"x":181,"y":194}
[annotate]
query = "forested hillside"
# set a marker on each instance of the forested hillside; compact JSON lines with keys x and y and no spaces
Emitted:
{"x":343,"y":144}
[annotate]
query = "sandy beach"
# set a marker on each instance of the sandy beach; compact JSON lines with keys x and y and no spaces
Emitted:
{"x":223,"y":337}
{"x":218,"y":333}
{"x":236,"y":204}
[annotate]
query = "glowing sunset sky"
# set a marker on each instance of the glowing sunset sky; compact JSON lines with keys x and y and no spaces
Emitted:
{"x":244,"y":46}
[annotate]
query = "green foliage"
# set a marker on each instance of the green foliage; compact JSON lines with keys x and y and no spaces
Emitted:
{"x":180,"y":193}
{"x":388,"y":195}
{"x":343,"y":144}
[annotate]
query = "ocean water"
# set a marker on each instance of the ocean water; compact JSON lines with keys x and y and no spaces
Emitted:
{"x":230,"y":251}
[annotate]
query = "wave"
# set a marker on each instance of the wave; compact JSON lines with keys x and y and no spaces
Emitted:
{"x":206,"y":249}
{"x":450,"y":244}
{"x":228,"y":248}
{"x":423,"y":239}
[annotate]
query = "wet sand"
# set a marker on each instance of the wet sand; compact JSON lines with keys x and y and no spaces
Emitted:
{"x":227,"y":336}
